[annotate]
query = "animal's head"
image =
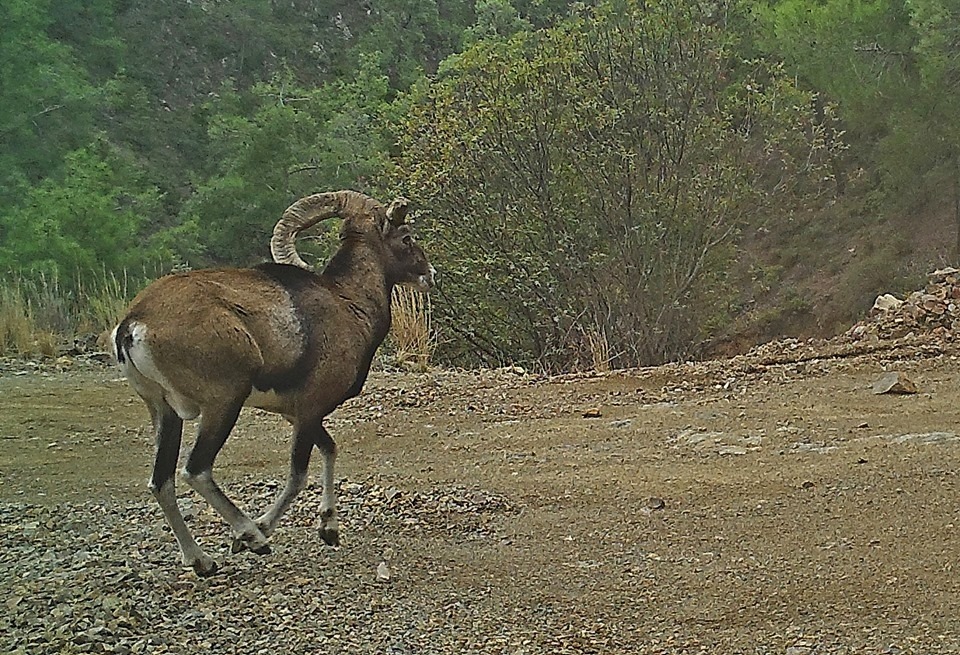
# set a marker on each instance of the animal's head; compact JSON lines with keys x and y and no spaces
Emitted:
{"x":407,"y":262}
{"x":364,"y":220}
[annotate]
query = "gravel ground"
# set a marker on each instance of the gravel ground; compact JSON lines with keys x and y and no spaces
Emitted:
{"x":770,"y":503}
{"x":98,"y":577}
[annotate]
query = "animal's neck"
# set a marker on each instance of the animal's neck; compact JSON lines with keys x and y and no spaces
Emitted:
{"x":361,"y":281}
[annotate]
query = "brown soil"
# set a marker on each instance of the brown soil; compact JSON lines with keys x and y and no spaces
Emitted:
{"x":765,"y":505}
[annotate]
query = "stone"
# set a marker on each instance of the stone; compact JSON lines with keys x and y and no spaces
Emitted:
{"x":886,"y":302}
{"x":894,"y":382}
{"x":654,"y":503}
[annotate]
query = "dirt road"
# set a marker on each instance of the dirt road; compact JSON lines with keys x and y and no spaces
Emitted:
{"x":764,"y":505}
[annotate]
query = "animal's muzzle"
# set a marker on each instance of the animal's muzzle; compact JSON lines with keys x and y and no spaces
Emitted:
{"x":427,"y":281}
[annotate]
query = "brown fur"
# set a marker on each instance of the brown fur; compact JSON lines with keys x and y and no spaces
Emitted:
{"x":198,"y":343}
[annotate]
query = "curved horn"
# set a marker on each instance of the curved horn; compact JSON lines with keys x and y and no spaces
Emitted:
{"x":397,"y":211}
{"x":309,"y":211}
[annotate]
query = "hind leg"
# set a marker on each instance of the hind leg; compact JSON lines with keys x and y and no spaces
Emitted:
{"x":215,"y":427}
{"x":169,"y":428}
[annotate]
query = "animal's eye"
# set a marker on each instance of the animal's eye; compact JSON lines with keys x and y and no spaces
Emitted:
{"x":407,"y":240}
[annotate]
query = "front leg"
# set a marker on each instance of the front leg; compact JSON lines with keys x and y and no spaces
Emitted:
{"x":329,"y":527}
{"x":306,"y":436}
{"x":297,"y":479}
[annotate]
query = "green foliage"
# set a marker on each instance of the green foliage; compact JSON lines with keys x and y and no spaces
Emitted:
{"x":297,"y":141}
{"x":411,"y":37}
{"x":892,"y":68}
{"x":46,"y":99}
{"x":583,"y":168}
{"x":496,"y":19}
{"x":89,"y":29}
{"x":938,"y":41}
{"x":145,"y":77}
{"x":88,"y":219}
{"x":937,"y":50}
{"x":854,"y":51}
{"x":590,"y":179}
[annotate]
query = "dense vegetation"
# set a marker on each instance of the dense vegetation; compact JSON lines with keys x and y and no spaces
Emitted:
{"x":591,"y":177}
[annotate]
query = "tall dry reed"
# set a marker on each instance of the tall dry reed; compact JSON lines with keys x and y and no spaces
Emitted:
{"x":411,"y":334}
{"x":37,"y":313}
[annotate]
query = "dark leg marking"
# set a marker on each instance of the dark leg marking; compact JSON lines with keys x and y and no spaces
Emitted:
{"x":169,"y":428}
{"x":212,"y":435}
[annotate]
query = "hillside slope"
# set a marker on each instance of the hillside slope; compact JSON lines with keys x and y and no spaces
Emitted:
{"x":815,"y":276}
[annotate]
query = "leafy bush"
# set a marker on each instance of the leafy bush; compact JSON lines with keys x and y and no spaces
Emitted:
{"x":591,"y":180}
{"x":88,"y":220}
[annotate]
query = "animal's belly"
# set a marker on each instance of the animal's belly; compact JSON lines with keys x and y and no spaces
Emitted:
{"x":270,"y":401}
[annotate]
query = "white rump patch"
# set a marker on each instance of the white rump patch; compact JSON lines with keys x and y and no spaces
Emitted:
{"x":113,"y":343}
{"x":140,"y":359}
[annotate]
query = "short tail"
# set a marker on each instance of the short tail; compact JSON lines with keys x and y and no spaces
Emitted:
{"x":122,"y":340}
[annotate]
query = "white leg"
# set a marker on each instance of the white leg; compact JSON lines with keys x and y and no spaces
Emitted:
{"x":300,"y":451}
{"x":245,"y":531}
{"x":296,"y":481}
{"x":215,"y":426}
{"x":307,"y":435}
{"x":169,"y":427}
{"x":191,"y":553}
{"x":329,"y":528}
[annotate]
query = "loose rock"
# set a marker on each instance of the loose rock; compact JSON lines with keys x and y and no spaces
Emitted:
{"x":896,"y":383}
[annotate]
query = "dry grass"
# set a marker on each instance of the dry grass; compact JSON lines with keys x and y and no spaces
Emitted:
{"x":411,"y":335}
{"x":38,"y":313}
{"x":20,"y":331}
{"x":16,"y":325}
{"x":599,"y":348}
{"x":99,"y":307}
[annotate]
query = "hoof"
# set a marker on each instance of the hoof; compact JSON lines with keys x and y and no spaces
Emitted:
{"x":331,"y":537}
{"x":205,"y":568}
{"x":243,"y":544}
